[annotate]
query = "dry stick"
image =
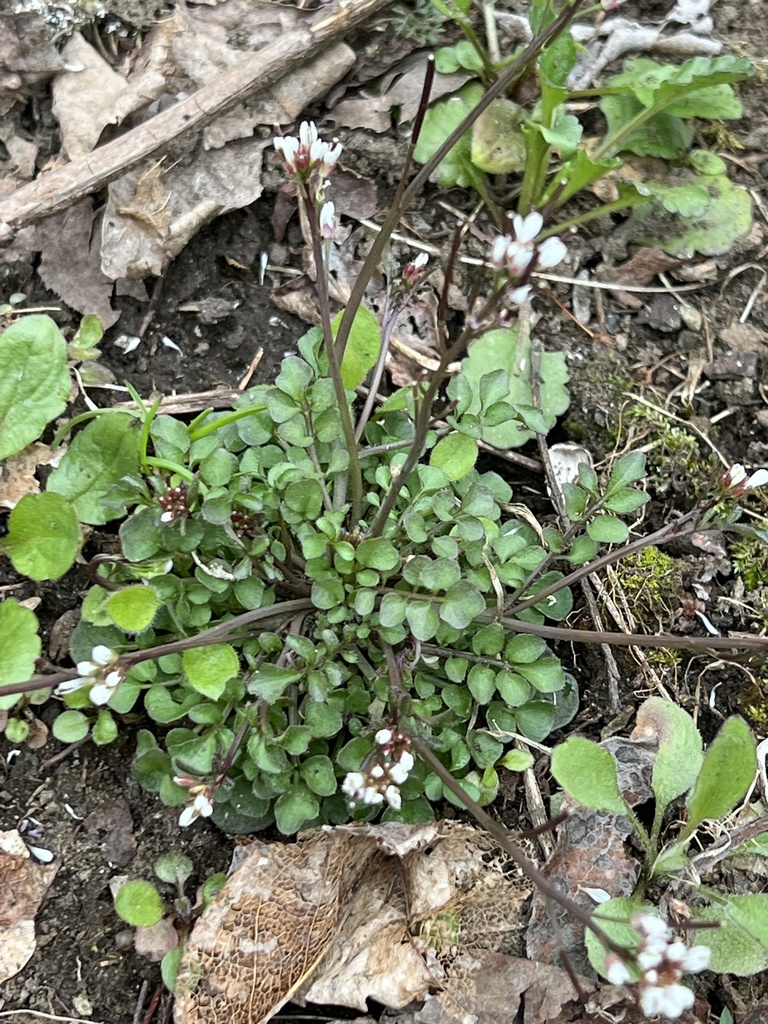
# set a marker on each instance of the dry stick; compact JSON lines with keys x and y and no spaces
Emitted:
{"x":55,"y":190}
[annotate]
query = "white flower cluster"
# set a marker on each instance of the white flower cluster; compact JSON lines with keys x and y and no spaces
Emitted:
{"x":663,"y":960}
{"x":519,"y":256}
{"x":388,"y":768}
{"x":307,"y":153}
{"x":737,"y":482}
{"x":200,"y":800}
{"x":310,"y":161}
{"x":101,"y":673}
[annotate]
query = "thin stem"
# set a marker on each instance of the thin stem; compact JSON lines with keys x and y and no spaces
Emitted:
{"x":667,"y":533}
{"x":404,"y":195}
{"x":335,"y":354}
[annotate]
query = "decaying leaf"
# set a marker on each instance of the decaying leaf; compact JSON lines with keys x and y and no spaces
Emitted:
{"x":23,"y":885}
{"x":346,"y":915}
{"x":17,"y":472}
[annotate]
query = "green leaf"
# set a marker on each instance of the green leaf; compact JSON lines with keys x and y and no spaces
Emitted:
{"x":269,"y":682}
{"x":363,"y":346}
{"x":134,"y":608}
{"x":497,"y":145}
{"x":139,"y":904}
{"x":587,"y":772}
{"x":324,"y":721}
{"x":319,"y":775}
{"x":455,"y":454}
{"x":294,"y":808}
{"x":169,"y":967}
{"x":512,"y":688}
{"x":625,"y":500}
{"x":98,"y":458}
{"x":461,"y":605}
{"x":524,"y":649}
{"x":485,"y":750}
{"x":740,"y":945}
{"x":328,"y":593}
{"x":43,"y":536}
{"x":34,"y":381}
{"x":726,"y":774}
{"x":481,"y":680}
{"x":422,"y":619}
{"x":304,"y":497}
{"x":545,"y":675}
{"x":679,"y":756}
{"x":104,"y":729}
{"x":70,"y":727}
{"x":582,"y":550}
{"x":627,"y":470}
{"x":502,"y":349}
{"x":174,"y":868}
{"x":679,"y":89}
{"x":607,"y":530}
{"x":209,"y":669}
{"x":516,"y":760}
{"x":20,"y":644}
{"x":378,"y":553}
{"x":662,"y":135}
{"x":392,"y":610}
{"x":441,"y":119}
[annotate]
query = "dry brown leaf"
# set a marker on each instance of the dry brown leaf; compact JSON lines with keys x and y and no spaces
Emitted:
{"x":27,"y":56}
{"x":84,"y":100}
{"x":70,"y":262}
{"x":330,"y":919}
{"x":23,"y":884}
{"x":17,"y":472}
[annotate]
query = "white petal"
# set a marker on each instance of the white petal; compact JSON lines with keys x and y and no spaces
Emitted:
{"x":736,"y":475}
{"x":102,"y":655}
{"x":398,"y":774}
{"x":203,"y":805}
{"x":188,"y":815}
{"x":421,"y":260}
{"x":696,"y":959}
{"x":758,"y":479}
{"x":70,"y":685}
{"x":519,"y":295}
{"x":383,"y":736}
{"x":87,"y":668}
{"x":652,"y":1001}
{"x":100,"y":693}
{"x":499,"y":249}
{"x":372,"y":796}
{"x":551,"y":252}
{"x":377,"y":772}
{"x":518,"y":259}
{"x":353,"y":784}
{"x":527,"y":228}
{"x":616,"y":971}
{"x":113,"y":679}
{"x":406,"y":760}
{"x":394,"y":799}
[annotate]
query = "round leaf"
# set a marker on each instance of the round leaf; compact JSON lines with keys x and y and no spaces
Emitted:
{"x":70,"y":727}
{"x":139,"y":904}
{"x":455,"y":454}
{"x":209,"y":669}
{"x":133,"y":608}
{"x":43,"y":536}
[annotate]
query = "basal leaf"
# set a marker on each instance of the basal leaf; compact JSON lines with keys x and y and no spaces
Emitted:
{"x":98,"y":458}
{"x":587,"y":772}
{"x":34,"y":381}
{"x":726,"y":773}
{"x":208,"y":669}
{"x":20,"y":644}
{"x":43,"y":536}
{"x":455,"y":454}
{"x":679,"y":756}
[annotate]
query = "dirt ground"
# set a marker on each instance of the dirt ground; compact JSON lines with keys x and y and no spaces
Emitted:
{"x":708,"y":377}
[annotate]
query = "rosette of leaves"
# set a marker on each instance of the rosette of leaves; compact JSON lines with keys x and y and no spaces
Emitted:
{"x":257,"y":528}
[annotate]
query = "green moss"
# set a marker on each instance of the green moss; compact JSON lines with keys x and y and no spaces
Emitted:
{"x":752,"y":703}
{"x":750,"y":559}
{"x":653,"y":582}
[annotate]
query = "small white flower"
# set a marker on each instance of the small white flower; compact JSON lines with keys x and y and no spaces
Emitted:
{"x":308,"y":133}
{"x":383,"y":736}
{"x":616,"y":971}
{"x":372,"y":796}
{"x":91,"y":673}
{"x":551,"y":252}
{"x":649,"y":958}
{"x":518,"y":296}
{"x":167,"y":517}
{"x":406,"y":760}
{"x":526,"y":228}
{"x":736,"y":479}
{"x":201,"y":807}
{"x":398,"y":774}
{"x":695,"y":959}
{"x":668,"y":1000}
{"x":377,"y":772}
{"x":353,"y":785}
{"x":650,"y":926}
{"x":392,"y":793}
{"x":103,"y":655}
{"x":101,"y":692}
{"x":421,"y":260}
{"x":327,"y":220}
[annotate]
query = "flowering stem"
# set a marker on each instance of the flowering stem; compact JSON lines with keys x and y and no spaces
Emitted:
{"x":335,"y":353}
